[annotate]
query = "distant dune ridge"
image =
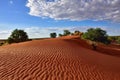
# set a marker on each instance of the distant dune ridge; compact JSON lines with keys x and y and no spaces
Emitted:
{"x":65,"y":58}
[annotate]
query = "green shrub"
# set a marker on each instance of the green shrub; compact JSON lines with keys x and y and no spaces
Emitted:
{"x":10,"y":40}
{"x":60,"y":35}
{"x":72,"y":33}
{"x":66,"y":32}
{"x":112,"y":38}
{"x":118,"y":40}
{"x":17,"y":36}
{"x":97,"y":35}
{"x":1,"y":44}
{"x":53,"y":35}
{"x":77,"y":32}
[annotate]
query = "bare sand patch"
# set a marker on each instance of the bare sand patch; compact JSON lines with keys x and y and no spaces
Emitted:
{"x":56,"y":59}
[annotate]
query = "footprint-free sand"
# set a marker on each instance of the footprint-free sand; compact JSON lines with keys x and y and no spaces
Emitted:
{"x":56,"y":59}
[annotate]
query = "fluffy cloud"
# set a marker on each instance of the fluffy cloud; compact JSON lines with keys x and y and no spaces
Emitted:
{"x":76,"y":9}
{"x":4,"y":34}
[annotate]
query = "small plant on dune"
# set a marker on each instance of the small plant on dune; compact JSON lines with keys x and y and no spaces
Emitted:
{"x":97,"y":35}
{"x":60,"y":35}
{"x":114,"y":39}
{"x":118,"y":40}
{"x":76,"y":32}
{"x":10,"y":40}
{"x":72,"y":33}
{"x":17,"y":36}
{"x":66,"y":32}
{"x":1,"y":44}
{"x":53,"y":35}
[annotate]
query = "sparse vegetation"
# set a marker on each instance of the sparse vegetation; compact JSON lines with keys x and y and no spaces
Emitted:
{"x":10,"y":40}
{"x":76,"y":32}
{"x":17,"y":36}
{"x":114,"y":39}
{"x":72,"y":33}
{"x":60,"y":35}
{"x":118,"y":40}
{"x":53,"y":35}
{"x":1,"y":44}
{"x":94,"y":46}
{"x":97,"y":35}
{"x":66,"y":32}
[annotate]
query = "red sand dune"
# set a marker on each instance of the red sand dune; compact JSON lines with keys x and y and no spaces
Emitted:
{"x":66,"y":58}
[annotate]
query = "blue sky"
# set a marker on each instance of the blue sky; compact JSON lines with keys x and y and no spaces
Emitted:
{"x":38,"y":17}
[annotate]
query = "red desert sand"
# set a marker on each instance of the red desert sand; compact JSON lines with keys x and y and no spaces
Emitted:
{"x":65,"y":58}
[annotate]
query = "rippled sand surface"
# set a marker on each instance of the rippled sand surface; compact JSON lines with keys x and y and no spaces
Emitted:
{"x":56,"y":59}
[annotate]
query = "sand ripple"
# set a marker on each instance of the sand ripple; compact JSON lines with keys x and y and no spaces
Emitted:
{"x":56,"y":59}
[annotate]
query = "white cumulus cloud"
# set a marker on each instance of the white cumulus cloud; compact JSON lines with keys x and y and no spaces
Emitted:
{"x":76,"y":9}
{"x":4,"y":34}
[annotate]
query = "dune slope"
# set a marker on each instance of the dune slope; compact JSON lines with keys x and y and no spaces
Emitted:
{"x":56,"y":59}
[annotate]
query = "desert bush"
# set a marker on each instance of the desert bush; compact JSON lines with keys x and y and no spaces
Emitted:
{"x":97,"y":35}
{"x":72,"y":33}
{"x":113,"y":38}
{"x":66,"y":32}
{"x":53,"y":35}
{"x":1,"y":44}
{"x":60,"y":35}
{"x":17,"y":36}
{"x":118,"y":40}
{"x":76,"y":32}
{"x":10,"y":40}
